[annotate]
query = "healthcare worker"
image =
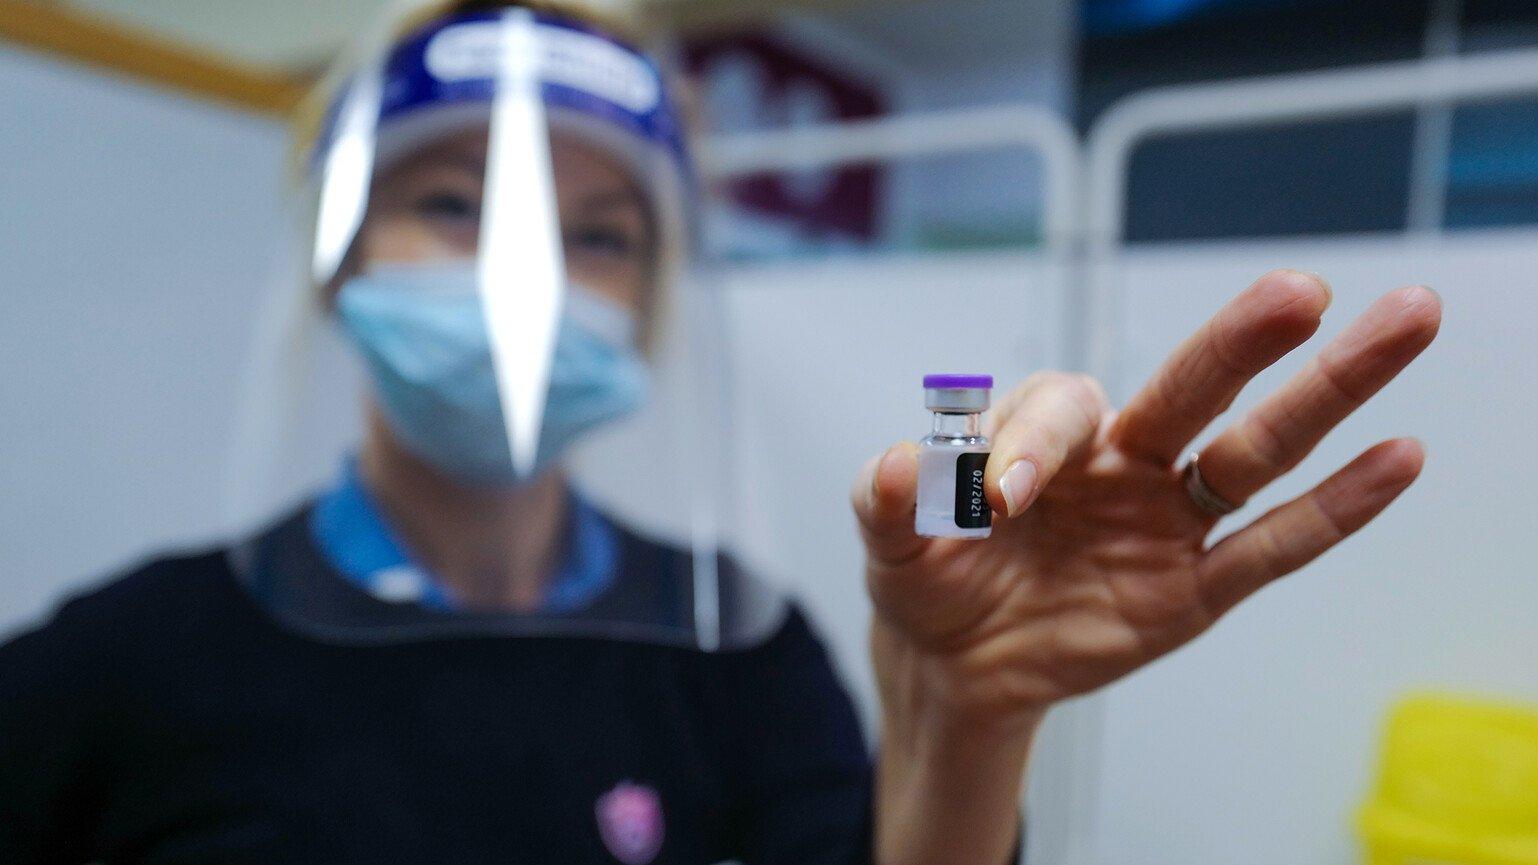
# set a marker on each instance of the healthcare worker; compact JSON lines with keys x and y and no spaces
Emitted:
{"x":469,"y":650}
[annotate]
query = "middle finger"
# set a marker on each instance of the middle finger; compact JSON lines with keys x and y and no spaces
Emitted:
{"x":1284,"y":428}
{"x":1275,"y":315}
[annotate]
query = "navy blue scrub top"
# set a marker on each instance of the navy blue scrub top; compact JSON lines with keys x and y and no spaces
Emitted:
{"x":167,"y":718}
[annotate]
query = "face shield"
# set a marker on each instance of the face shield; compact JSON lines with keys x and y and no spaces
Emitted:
{"x":500,"y":222}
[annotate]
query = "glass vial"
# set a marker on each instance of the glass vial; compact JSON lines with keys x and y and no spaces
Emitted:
{"x":951,"y":503}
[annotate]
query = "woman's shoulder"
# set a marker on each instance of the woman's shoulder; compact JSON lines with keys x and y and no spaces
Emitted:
{"x":170,"y":582}
{"x":149,"y":603}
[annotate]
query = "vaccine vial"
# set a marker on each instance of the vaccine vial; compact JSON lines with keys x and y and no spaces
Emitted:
{"x":951,"y":503}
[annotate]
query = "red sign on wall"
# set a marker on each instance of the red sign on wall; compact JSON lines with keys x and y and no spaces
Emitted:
{"x":755,"y":82}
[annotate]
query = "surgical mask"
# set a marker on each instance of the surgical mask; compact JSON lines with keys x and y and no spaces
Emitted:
{"x":422,"y":331}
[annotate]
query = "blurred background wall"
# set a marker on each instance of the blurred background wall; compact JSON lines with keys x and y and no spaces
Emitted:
{"x":140,"y":228}
{"x":138,"y":240}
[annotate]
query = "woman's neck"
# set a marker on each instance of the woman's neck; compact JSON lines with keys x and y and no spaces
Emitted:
{"x":493,"y":547}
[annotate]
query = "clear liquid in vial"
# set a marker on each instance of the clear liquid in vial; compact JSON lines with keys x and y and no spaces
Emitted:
{"x":940,"y":474}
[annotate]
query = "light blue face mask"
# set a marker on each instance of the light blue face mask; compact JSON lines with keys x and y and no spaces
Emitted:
{"x":422,"y":331}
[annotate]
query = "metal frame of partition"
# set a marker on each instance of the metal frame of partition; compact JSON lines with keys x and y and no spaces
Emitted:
{"x":1093,"y":215}
{"x":1025,"y":127}
{"x":1305,"y":96}
{"x":917,"y":135}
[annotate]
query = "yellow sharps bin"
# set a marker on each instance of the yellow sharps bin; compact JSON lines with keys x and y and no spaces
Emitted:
{"x":1457,"y":785}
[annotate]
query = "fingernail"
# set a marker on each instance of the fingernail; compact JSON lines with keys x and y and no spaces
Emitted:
{"x":868,"y":474}
{"x":875,"y":476}
{"x":1018,"y":484}
{"x":1329,"y":290}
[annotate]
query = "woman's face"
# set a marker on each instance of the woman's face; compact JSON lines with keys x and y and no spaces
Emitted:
{"x":428,"y":209}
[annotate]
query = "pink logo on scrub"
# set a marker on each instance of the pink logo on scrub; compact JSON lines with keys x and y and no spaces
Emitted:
{"x":630,"y":823}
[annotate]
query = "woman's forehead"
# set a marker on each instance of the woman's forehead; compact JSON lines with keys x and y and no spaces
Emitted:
{"x":575,"y":161}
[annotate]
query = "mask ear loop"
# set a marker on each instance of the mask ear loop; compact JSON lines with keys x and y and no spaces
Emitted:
{"x":520,"y":240}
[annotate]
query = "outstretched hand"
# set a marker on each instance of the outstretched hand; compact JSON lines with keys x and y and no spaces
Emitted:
{"x":1100,"y":560}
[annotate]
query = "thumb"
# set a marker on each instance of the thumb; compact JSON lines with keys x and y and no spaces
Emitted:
{"x":884,"y":496}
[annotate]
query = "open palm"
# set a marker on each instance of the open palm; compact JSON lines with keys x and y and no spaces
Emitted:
{"x":1100,"y":561}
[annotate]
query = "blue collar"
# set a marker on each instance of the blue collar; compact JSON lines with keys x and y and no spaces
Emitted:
{"x":360,"y":544}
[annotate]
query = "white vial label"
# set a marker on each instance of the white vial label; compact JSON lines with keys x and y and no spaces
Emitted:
{"x":951,"y":501}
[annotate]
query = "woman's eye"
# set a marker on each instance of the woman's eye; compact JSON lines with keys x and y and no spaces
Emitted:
{"x":604,"y":241}
{"x":448,"y":205}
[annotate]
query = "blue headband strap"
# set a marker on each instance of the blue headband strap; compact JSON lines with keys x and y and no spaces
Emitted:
{"x":455,"y":61}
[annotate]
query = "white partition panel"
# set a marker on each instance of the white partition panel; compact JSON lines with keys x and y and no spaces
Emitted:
{"x":1256,"y":743}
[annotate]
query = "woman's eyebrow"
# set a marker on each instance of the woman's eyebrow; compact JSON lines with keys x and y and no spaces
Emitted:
{"x":468,"y":163}
{"x":614,"y":199}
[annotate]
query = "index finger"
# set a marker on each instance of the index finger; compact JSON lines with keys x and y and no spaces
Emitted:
{"x":1050,"y":419}
{"x":1275,"y":315}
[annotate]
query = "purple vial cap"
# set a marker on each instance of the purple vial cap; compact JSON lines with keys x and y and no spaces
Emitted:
{"x":951,"y":381}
